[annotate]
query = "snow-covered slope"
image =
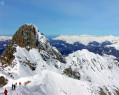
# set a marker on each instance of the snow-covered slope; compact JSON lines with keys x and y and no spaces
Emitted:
{"x":46,"y":79}
{"x":98,"y":75}
{"x":29,"y":63}
{"x":101,"y":72}
{"x":49,"y":83}
{"x":3,"y":38}
{"x":86,"y":39}
{"x":28,"y":37}
{"x":37,"y":66}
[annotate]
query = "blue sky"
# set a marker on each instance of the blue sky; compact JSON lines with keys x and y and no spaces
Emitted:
{"x":66,"y":17}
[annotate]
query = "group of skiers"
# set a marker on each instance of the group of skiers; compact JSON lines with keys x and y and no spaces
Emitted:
{"x":13,"y":88}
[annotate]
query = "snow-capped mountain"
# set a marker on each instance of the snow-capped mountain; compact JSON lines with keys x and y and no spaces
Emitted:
{"x":30,"y":59}
{"x":100,"y":72}
{"x":97,"y":44}
{"x":4,"y":40}
{"x":86,"y":39}
{"x":28,"y":36}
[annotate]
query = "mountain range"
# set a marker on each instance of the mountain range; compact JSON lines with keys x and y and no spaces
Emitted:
{"x":4,"y":40}
{"x":97,"y":44}
{"x":29,"y":58}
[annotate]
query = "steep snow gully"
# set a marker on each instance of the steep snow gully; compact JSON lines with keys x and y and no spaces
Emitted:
{"x":41,"y":71}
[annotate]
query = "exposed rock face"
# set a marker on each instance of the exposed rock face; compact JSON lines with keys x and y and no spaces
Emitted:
{"x":3,"y":81}
{"x":28,"y":36}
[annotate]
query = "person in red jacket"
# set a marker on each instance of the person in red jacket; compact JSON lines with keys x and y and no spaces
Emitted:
{"x":5,"y":91}
{"x":19,"y":83}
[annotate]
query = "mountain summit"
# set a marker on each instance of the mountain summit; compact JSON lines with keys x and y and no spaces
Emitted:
{"x":42,"y":70}
{"x":28,"y":36}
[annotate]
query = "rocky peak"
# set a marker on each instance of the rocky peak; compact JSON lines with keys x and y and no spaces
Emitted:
{"x":28,"y":36}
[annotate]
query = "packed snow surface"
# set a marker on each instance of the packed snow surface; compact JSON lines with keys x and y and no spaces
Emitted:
{"x":86,"y":39}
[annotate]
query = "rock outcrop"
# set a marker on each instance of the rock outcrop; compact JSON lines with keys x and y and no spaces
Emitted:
{"x":28,"y":36}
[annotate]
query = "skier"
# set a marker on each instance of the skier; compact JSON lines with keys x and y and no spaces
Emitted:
{"x":5,"y":91}
{"x":15,"y":85}
{"x":19,"y":83}
{"x":12,"y":86}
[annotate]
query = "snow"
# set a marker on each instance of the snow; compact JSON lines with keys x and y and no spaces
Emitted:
{"x":56,"y":84}
{"x":39,"y":36}
{"x":48,"y":79}
{"x":34,"y":57}
{"x":4,"y":38}
{"x":86,"y":39}
{"x":96,"y":72}
{"x":49,"y":83}
{"x":5,"y":45}
{"x":116,"y":45}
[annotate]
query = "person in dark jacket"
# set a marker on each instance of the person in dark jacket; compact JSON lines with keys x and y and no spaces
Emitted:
{"x":13,"y":87}
{"x":5,"y":91}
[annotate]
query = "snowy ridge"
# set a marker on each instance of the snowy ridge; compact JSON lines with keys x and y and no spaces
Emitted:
{"x":44,"y":42}
{"x":4,"y":38}
{"x":24,"y":58}
{"x":50,"y":83}
{"x":86,"y":39}
{"x":99,"y":71}
{"x":96,"y":72}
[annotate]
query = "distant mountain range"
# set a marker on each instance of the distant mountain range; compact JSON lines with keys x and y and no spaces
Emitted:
{"x":4,"y":40}
{"x":69,"y":44}
{"x":96,"y":44}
